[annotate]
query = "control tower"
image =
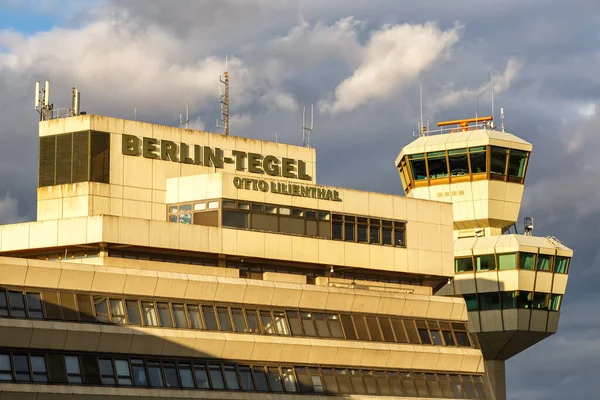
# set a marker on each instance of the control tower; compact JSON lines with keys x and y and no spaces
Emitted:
{"x":513,"y":283}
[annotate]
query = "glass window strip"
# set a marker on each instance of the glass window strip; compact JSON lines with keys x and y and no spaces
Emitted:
{"x":169,"y":373}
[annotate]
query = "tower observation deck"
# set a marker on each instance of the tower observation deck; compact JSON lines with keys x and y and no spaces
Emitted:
{"x":512,"y":284}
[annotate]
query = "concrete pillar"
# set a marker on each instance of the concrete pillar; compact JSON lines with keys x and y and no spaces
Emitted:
{"x":496,"y":374}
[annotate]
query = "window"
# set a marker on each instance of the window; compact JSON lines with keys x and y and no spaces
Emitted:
{"x":498,"y":162}
{"x":267,"y":322}
{"x":3,"y":304}
{"x":274,"y":380}
{"x":154,"y":374}
{"x":171,"y":379}
{"x":17,"y":304}
{"x":107,"y":373}
{"x":462,"y":338}
{"x":386,"y":235}
{"x":374,"y":330}
{"x":139,"y":373}
{"x":362,"y":231}
{"x":463,"y":264}
{"x":252,"y":318}
{"x":246,"y":378}
{"x":224,"y":320}
{"x":85,"y":307}
{"x":459,"y":162}
{"x":201,"y":376}
{"x":449,"y":338}
{"x":149,"y":314}
{"x":436,"y":335}
{"x":304,"y":380}
{"x":361,"y":327}
{"x":417,"y":166}
{"x":343,"y":381}
{"x":436,"y":161}
{"x":539,"y":301}
{"x":289,"y":380}
{"x":308,"y":324}
{"x":399,"y":331}
{"x":507,"y":261}
{"x":471,"y":301}
{"x":527,"y":260}
{"x":194,"y":314}
{"x":235,"y":219}
{"x":423,"y":332}
{"x":69,"y":306}
{"x":374,"y":231}
{"x":516,"y":163}
{"x":335,"y":326}
{"x":21,"y":366}
{"x":179,"y":316}
{"x":238,"y":320}
{"x":185,"y":372}
{"x":386,"y":329}
{"x":489,"y":301}
{"x":34,"y":306}
{"x":281,"y":323}
{"x":216,"y":376}
{"x":525,"y":299}
{"x":485,"y":262}
{"x":478,"y":160}
{"x":509,"y":300}
{"x":123,"y":373}
{"x":101,"y":308}
{"x":73,"y":369}
{"x":544,"y":262}
{"x":261,"y":379}
{"x":5,"y":369}
{"x":117,"y":311}
{"x":411,"y":331}
{"x":348,"y":326}
{"x":38,"y":368}
{"x":209,"y":318}
{"x":321,"y":324}
{"x":560,"y":266}
{"x":555,"y":300}
{"x":350,"y":229}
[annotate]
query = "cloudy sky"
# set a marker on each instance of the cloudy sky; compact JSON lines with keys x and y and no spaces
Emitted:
{"x":360,"y":63}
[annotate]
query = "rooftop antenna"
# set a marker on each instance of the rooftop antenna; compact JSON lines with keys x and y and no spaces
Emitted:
{"x":477,"y":110}
{"x":135,"y":114}
{"x":493,"y":109}
{"x":421,"y":130}
{"x":187,"y":113}
{"x":42,"y":101}
{"x":502,"y":117}
{"x":307,"y":131}
{"x":528,"y":226}
{"x":224,"y":99}
{"x":75,"y":102}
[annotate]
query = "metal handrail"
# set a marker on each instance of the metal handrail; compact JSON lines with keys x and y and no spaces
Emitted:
{"x":444,"y":129}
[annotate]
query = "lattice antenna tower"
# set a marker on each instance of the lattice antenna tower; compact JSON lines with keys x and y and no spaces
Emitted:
{"x":187,"y":113}
{"x":306,"y":130}
{"x":42,"y":101}
{"x":224,"y":99}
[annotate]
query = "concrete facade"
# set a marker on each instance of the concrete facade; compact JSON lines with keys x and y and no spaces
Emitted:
{"x":111,"y":288}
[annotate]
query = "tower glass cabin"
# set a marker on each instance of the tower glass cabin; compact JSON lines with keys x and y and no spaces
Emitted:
{"x":513,"y":284}
{"x":168,"y":262}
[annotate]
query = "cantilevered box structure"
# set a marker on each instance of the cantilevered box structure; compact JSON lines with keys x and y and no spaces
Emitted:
{"x":513,"y":284}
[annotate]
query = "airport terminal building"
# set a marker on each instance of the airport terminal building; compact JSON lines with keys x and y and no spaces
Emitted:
{"x":167,"y":262}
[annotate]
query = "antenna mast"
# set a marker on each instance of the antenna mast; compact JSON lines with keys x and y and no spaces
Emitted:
{"x":306,"y":131}
{"x":493,"y":110}
{"x":224,"y":98}
{"x":187,"y":113}
{"x":42,"y":101}
{"x":421,"y":131}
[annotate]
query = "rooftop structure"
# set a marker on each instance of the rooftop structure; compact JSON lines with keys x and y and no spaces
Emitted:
{"x":167,"y":262}
{"x":513,"y":284}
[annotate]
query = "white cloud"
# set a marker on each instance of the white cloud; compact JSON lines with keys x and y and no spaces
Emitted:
{"x":391,"y":58}
{"x":501,"y":83}
{"x":146,"y":66}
